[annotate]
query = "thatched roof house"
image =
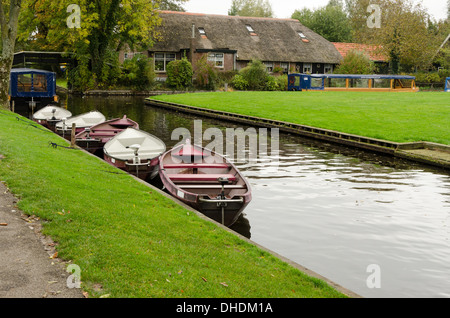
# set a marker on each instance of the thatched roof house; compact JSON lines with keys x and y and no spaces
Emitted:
{"x":232,"y":41}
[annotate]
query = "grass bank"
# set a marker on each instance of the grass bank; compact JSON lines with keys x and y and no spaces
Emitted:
{"x":129,"y":239}
{"x":398,"y":117}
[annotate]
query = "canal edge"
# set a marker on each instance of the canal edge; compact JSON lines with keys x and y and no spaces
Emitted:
{"x":437,"y":155}
{"x":301,"y":268}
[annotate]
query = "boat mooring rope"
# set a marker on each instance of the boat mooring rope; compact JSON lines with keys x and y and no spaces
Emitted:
{"x":55,"y":145}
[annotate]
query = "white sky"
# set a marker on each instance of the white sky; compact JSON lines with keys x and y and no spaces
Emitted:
{"x":285,"y":8}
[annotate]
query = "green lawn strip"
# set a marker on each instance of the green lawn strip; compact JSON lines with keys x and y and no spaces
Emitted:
{"x":128,"y":238}
{"x":398,"y":117}
{"x":61,"y":82}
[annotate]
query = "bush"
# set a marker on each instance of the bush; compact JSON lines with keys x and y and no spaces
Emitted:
{"x":138,"y":72}
{"x":271,"y":84}
{"x":179,"y":73}
{"x":255,"y":75}
{"x":206,"y":76}
{"x":282,"y":82}
{"x":356,"y":62}
{"x":239,"y":82}
{"x":428,"y":78}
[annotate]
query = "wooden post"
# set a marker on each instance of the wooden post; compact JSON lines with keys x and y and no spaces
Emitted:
{"x":72,"y":135}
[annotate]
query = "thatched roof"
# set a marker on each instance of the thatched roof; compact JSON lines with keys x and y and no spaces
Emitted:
{"x":275,"y":39}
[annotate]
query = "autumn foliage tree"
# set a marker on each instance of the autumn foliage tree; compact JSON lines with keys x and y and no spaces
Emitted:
{"x":403,"y":34}
{"x":105,"y":27}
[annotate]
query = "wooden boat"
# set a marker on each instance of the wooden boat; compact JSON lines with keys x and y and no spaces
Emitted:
{"x":206,"y":181}
{"x":50,"y":115}
{"x":135,"y":151}
{"x":64,"y":127}
{"x":94,"y":138}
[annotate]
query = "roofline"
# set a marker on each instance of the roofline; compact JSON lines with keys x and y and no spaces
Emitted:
{"x":223,"y":15}
{"x":42,"y":52}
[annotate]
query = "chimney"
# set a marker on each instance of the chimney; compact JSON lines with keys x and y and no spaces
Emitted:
{"x":192,"y":44}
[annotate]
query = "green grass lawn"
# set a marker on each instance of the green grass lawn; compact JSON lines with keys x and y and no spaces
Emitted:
{"x":128,"y":238}
{"x":61,"y":82}
{"x":399,"y":117}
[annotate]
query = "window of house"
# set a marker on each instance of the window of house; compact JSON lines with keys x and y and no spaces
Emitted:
{"x":131,"y":55}
{"x":202,"y":33}
{"x":328,"y":69}
{"x":285,"y":67}
{"x":269,"y":66}
{"x":217,"y":59}
{"x":162,"y":59}
{"x":307,"y":68}
{"x":303,"y":36}
{"x":250,"y":29}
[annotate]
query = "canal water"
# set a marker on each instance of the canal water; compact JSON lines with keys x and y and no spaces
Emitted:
{"x":376,"y":225}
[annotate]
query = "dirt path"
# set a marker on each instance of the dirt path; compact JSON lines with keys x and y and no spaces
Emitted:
{"x":27,"y":268}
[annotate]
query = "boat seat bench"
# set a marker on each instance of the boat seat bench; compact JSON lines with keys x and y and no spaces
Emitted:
{"x":196,"y":165}
{"x":211,"y":186}
{"x":180,"y":177}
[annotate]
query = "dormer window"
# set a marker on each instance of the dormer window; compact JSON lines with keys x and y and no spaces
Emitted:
{"x":303,"y":36}
{"x":202,"y":33}
{"x":250,"y":29}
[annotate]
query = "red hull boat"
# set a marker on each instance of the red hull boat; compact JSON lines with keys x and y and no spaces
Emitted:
{"x":50,"y":115}
{"x":136,"y":152}
{"x":206,"y":181}
{"x":94,"y":138}
{"x":83,"y":121}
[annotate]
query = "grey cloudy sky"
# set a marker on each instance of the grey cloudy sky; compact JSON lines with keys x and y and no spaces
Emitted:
{"x":284,"y":8}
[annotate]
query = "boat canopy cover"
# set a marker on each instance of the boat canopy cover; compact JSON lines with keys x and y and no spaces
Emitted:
{"x":121,"y":146}
{"x":81,"y":121}
{"x":447,"y":84}
{"x":51,"y":111}
{"x":26,"y":82}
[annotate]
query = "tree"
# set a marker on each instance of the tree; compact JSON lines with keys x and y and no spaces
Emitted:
{"x":448,"y":10}
{"x":106,"y":26}
{"x":251,"y":8}
{"x":172,"y":5}
{"x":403,"y":35}
{"x":330,"y":21}
{"x":9,"y":15}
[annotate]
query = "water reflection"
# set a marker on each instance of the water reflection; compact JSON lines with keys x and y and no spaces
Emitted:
{"x":332,"y":209}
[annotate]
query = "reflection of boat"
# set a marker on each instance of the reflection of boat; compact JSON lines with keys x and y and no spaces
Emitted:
{"x":206,"y":181}
{"x":95,"y":137}
{"x":64,"y":127}
{"x":135,"y":151}
{"x":50,"y":115}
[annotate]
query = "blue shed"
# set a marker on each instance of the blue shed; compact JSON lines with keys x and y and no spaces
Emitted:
{"x":447,"y":85}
